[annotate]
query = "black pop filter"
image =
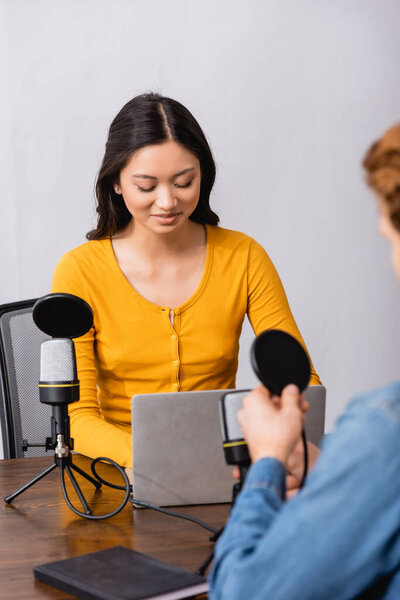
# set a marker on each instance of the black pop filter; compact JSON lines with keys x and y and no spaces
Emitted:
{"x":63,"y":315}
{"x":279,"y":359}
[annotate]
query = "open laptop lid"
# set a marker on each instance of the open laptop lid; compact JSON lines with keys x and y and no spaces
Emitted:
{"x":178,"y":457}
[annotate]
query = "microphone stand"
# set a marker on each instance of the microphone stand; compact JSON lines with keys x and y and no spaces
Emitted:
{"x":239,"y":484}
{"x":62,"y":444}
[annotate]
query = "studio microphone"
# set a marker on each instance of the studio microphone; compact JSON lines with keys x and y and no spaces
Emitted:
{"x":65,"y":316}
{"x":278,"y":359}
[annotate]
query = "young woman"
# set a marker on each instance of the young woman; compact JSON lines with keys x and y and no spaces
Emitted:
{"x":340,"y":537}
{"x":169,"y":288}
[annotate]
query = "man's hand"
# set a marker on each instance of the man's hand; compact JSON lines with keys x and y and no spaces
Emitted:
{"x":272,"y":426}
{"x":295,"y":466}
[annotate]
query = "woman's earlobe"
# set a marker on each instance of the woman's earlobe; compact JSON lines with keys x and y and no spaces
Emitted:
{"x":117,"y":188}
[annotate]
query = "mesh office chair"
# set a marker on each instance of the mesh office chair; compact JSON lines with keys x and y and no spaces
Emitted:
{"x":22,"y":415}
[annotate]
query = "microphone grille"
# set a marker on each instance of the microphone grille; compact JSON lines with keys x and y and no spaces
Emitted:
{"x":57,"y":360}
{"x":231,"y":404}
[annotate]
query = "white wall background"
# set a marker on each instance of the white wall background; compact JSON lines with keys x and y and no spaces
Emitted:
{"x":290,"y":94}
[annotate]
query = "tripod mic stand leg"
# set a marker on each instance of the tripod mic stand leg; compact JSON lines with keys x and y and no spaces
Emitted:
{"x":76,"y":488}
{"x":11,"y":497}
{"x":96,"y":484}
{"x":203,"y":568}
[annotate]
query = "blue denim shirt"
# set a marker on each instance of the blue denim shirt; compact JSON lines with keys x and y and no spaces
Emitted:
{"x":339,"y":538}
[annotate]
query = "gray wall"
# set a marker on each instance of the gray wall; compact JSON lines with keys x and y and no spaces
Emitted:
{"x":289,"y":92}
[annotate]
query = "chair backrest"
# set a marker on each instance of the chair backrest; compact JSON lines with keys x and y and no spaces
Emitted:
{"x":22,"y":415}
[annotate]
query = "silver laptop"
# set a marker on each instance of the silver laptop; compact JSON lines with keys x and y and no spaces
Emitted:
{"x":178,"y":457}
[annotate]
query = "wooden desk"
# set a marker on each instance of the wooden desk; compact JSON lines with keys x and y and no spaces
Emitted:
{"x":39,"y":527}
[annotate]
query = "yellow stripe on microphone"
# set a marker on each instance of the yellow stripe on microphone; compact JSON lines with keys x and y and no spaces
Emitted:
{"x":231,"y":444}
{"x":59,"y":385}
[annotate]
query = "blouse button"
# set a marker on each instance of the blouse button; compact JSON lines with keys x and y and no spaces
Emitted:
{"x":176,"y":363}
{"x":173,"y":337}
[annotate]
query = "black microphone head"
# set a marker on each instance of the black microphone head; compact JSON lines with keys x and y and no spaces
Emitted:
{"x":63,"y":315}
{"x":278,"y":359}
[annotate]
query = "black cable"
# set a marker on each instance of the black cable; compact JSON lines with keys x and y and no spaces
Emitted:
{"x":108,"y":483}
{"x":303,"y":437}
{"x":173,"y":514}
{"x":126,"y":487}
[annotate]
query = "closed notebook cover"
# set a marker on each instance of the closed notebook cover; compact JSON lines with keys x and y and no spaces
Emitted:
{"x":120,"y":573}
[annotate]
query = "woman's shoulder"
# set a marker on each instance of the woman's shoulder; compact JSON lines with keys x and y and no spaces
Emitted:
{"x":238,"y":244}
{"x":87,"y":259}
{"x":232,"y":238}
{"x":88,"y":251}
{"x":82,"y":267}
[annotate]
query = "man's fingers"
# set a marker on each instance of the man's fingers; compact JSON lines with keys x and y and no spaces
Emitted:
{"x":276,"y":401}
{"x":240,"y":417}
{"x":304,"y":405}
{"x":291,"y":493}
{"x":291,"y":396}
{"x":292,"y":482}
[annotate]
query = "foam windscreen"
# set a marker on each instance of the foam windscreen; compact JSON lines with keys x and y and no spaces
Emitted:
{"x":278,"y":359}
{"x":63,"y":315}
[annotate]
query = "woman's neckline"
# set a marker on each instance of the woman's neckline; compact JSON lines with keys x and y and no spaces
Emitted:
{"x":189,"y":301}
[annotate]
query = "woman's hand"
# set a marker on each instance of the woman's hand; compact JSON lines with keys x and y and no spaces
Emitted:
{"x":129,"y":474}
{"x":295,"y":466}
{"x":272,"y":426}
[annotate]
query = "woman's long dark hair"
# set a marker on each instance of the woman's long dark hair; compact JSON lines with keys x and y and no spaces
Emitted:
{"x":145,"y":120}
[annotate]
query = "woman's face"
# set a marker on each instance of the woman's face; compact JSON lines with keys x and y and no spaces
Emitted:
{"x":388,"y":230}
{"x":160,"y":186}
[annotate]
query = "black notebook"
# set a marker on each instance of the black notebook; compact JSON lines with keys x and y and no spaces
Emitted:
{"x":120,"y":573}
